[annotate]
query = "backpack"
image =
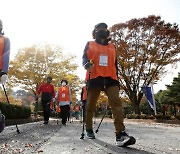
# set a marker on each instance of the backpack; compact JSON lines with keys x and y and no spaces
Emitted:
{"x":2,"y":122}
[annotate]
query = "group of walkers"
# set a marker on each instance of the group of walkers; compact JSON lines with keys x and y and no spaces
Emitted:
{"x":100,"y":61}
{"x":63,"y":97}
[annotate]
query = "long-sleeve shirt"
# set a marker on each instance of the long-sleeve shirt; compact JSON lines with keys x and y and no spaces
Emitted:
{"x":6,"y":54}
{"x":47,"y":91}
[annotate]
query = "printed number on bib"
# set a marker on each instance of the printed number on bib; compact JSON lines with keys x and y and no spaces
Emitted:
{"x":103,"y":60}
{"x":63,"y":95}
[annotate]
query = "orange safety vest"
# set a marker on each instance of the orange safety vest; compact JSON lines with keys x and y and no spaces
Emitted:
{"x":84,"y":97}
{"x":103,"y":58}
{"x":1,"y":50}
{"x":64,"y":93}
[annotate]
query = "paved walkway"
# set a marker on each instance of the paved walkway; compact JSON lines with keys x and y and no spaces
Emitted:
{"x":55,"y":138}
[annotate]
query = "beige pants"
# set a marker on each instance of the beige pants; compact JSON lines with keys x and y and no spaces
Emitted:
{"x":114,"y":101}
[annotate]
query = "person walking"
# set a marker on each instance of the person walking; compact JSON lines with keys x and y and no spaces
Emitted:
{"x":47,"y":90}
{"x":77,"y":110}
{"x":64,"y":98}
{"x":4,"y":65}
{"x":99,"y":59}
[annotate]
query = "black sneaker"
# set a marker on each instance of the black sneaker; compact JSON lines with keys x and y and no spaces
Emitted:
{"x":90,"y":134}
{"x":45,"y":122}
{"x":123,"y":139}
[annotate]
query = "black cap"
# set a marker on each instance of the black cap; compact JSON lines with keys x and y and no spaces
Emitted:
{"x":101,"y":25}
{"x":49,"y":77}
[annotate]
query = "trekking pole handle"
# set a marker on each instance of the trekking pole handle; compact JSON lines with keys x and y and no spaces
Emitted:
{"x":91,"y":61}
{"x":88,"y":64}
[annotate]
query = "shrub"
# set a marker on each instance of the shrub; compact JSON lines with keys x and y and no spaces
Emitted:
{"x":160,"y":116}
{"x":150,"y":117}
{"x":143,"y":116}
{"x":177,"y":117}
{"x":133,"y":116}
{"x":137,"y":116}
{"x":14,"y":111}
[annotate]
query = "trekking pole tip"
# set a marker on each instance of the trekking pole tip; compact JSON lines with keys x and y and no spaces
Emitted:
{"x":82,"y":136}
{"x":18,"y":131}
{"x":96,"y":131}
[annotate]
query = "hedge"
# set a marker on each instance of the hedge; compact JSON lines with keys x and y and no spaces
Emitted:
{"x":15,"y":111}
{"x":144,"y":116}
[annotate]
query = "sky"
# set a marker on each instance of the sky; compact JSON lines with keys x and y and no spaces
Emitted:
{"x":69,"y":23}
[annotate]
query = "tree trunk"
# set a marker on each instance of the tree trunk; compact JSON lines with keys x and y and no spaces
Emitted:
{"x":136,"y":102}
{"x":174,"y":109}
{"x":136,"y":108}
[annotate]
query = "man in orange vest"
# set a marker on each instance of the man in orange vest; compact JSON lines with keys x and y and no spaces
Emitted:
{"x":4,"y":65}
{"x":64,"y":98}
{"x":99,"y":59}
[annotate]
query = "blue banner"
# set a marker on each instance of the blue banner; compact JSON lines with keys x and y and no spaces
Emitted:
{"x":149,"y":95}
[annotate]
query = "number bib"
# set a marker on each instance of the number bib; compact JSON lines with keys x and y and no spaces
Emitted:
{"x":103,"y":60}
{"x":63,"y":95}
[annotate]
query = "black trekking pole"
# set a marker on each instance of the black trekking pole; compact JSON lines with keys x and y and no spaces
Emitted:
{"x":87,"y":88}
{"x":101,"y":121}
{"x":10,"y":107}
{"x":83,"y":120}
{"x":36,"y":108}
{"x":57,"y":116}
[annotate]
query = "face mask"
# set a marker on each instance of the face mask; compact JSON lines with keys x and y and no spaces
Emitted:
{"x":63,"y":83}
{"x":102,"y":34}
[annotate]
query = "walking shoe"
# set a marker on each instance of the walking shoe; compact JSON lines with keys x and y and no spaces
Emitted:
{"x":90,"y":134}
{"x":45,"y":122}
{"x":123,"y":139}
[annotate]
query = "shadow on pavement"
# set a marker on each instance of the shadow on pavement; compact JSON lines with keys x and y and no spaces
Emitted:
{"x":120,"y":149}
{"x":30,"y":139}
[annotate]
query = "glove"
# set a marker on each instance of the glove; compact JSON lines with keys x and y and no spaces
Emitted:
{"x":2,"y":73}
{"x":88,"y":65}
{"x":4,"y":78}
{"x":54,"y":99}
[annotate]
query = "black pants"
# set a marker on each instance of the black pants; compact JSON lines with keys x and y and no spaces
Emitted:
{"x":68,"y":116}
{"x":84,"y":108}
{"x":46,"y":109}
{"x":64,"y":113}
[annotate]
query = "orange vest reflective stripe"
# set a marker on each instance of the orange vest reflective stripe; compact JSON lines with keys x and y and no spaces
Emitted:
{"x":58,"y":109}
{"x":104,"y":58}
{"x":51,"y":105}
{"x":1,"y":50}
{"x":84,"y":93}
{"x":76,"y":108}
{"x":64,"y":93}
